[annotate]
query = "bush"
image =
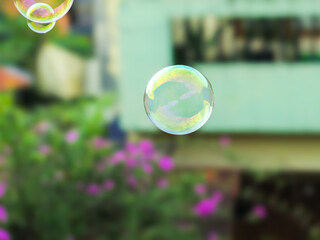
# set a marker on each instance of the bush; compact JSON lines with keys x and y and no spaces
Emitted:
{"x":65,"y":180}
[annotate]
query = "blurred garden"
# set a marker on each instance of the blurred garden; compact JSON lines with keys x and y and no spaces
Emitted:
{"x":79,"y":159}
{"x":62,"y":178}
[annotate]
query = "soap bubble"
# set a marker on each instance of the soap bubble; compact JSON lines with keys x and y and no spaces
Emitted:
{"x":60,"y":7}
{"x":41,"y":13}
{"x":178,"y":100}
{"x":41,"y":27}
{"x":44,"y":10}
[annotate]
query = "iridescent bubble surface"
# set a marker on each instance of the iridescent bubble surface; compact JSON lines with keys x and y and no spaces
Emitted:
{"x":60,"y":8}
{"x":178,"y":100}
{"x":43,"y":10}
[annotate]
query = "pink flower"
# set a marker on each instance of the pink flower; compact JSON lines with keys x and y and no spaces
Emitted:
{"x":147,"y":149}
{"x":166,"y":163}
{"x":72,"y":136}
{"x":42,"y":127}
{"x":3,"y":188}
{"x":260,"y":211}
{"x":200,"y":189}
{"x":4,"y":235}
{"x":93,"y":189}
{"x":132,"y":149}
{"x":212,"y":236}
{"x":147,"y":168}
{"x":117,"y":157}
{"x":131,"y":162}
{"x":99,"y":143}
{"x":3,"y":214}
{"x":162,"y":183}
{"x":225,"y":141}
{"x":208,"y":206}
{"x":108,"y":184}
{"x":132,"y":181}
{"x":204,"y":208}
{"x":44,"y":150}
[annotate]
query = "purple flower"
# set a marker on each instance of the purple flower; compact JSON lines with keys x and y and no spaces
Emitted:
{"x":132,"y":181}
{"x":99,"y":143}
{"x":117,"y":157}
{"x":260,"y":211}
{"x":200,"y":189}
{"x":70,"y":238}
{"x":44,"y":150}
{"x":93,"y":189}
{"x":3,"y":214}
{"x":72,"y":136}
{"x":212,"y":236}
{"x":162,"y":183}
{"x":108,"y":184}
{"x":225,"y":141}
{"x":166,"y":163}
{"x":3,"y":188}
{"x":147,"y":168}
{"x":4,"y":235}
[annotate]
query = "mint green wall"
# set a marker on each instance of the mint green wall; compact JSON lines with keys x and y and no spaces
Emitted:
{"x":266,"y":98}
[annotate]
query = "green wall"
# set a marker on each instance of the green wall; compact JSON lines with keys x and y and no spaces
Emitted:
{"x":249,"y":98}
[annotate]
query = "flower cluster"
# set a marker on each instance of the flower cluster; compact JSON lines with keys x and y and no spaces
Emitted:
{"x":120,"y":193}
{"x":207,"y":206}
{"x":134,"y":159}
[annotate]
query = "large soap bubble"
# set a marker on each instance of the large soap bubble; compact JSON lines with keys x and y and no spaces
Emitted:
{"x":178,"y":100}
{"x":42,"y":14}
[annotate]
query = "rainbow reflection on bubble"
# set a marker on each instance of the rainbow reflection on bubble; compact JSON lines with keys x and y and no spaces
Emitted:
{"x":45,"y":9}
{"x":178,"y":100}
{"x":42,"y":14}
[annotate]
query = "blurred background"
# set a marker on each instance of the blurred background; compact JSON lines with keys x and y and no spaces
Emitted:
{"x":79,"y":159}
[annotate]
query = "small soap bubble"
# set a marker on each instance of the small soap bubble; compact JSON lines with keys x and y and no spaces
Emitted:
{"x":60,"y":8}
{"x":41,"y":27}
{"x":37,"y":10}
{"x":178,"y":100}
{"x":42,"y":14}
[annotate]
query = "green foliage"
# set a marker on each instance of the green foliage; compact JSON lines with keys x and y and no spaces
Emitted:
{"x":57,"y":185}
{"x":19,"y":45}
{"x":78,"y":43}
